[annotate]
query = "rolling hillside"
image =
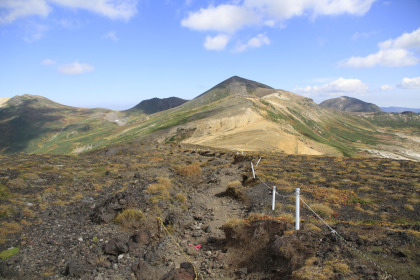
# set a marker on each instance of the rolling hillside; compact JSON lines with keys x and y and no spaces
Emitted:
{"x":237,"y":114}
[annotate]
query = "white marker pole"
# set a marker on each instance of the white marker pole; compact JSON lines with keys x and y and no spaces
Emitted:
{"x":274,"y":198}
{"x":253,"y":172}
{"x":258,"y":162}
{"x":297,"y":209}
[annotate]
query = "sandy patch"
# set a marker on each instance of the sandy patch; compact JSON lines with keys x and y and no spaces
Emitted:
{"x":248,"y":131}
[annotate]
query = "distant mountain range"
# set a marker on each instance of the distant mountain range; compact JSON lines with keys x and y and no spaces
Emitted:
{"x":236,"y":114}
{"x":399,"y":109}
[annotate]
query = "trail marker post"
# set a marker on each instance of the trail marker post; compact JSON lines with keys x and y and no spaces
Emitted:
{"x":253,"y":171}
{"x":297,"y":222}
{"x":274,"y":198}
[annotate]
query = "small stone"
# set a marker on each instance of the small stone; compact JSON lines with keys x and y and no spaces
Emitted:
{"x":80,"y":239}
{"x":211,"y":239}
{"x":120,"y":256}
{"x":76,"y":269}
{"x":208,"y":229}
{"x":196,"y":234}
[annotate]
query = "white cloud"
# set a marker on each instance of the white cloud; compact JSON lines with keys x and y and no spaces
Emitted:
{"x":111,"y":35}
{"x":410,"y":83}
{"x":75,"y":68}
{"x":405,"y":41}
{"x":223,"y":18}
{"x":216,"y":43}
{"x":340,"y":86}
{"x":11,"y":10}
{"x":229,"y":18}
{"x":113,"y":9}
{"x":256,"y":42}
{"x":48,"y":62}
{"x":387,"y":87}
{"x":287,"y":9}
{"x":392,"y":53}
{"x":388,"y":57}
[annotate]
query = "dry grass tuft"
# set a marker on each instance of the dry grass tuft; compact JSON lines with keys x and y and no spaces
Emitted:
{"x":234,"y":190}
{"x":323,"y":210}
{"x":129,"y":218}
{"x":190,"y":171}
{"x":159,"y":190}
{"x":409,"y":207}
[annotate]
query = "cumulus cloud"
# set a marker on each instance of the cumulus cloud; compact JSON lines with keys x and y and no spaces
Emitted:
{"x":111,"y":35}
{"x":340,"y":86}
{"x":256,"y":42}
{"x":387,"y":87}
{"x":410,"y":83}
{"x":229,"y":18}
{"x":11,"y":10}
{"x":223,"y":18}
{"x":405,"y":41}
{"x":216,"y":43}
{"x":392,"y":53}
{"x":287,"y":9}
{"x":76,"y":68}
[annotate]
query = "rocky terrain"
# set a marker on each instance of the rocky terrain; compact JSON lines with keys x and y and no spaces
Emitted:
{"x":153,"y":211}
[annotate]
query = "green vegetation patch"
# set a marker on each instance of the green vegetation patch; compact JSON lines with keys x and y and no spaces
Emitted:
{"x":6,"y":254}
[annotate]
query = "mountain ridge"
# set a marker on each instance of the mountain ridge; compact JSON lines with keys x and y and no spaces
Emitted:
{"x":236,"y":114}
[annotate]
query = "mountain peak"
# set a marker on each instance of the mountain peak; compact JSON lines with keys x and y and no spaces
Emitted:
{"x":233,"y":86}
{"x":32,"y":100}
{"x":155,"y":105}
{"x":236,"y":80}
{"x":349,"y":104}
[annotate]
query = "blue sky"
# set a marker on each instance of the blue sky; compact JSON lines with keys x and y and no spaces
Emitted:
{"x":116,"y":53}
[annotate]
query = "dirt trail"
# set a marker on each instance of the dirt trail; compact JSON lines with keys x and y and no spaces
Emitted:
{"x":211,"y":211}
